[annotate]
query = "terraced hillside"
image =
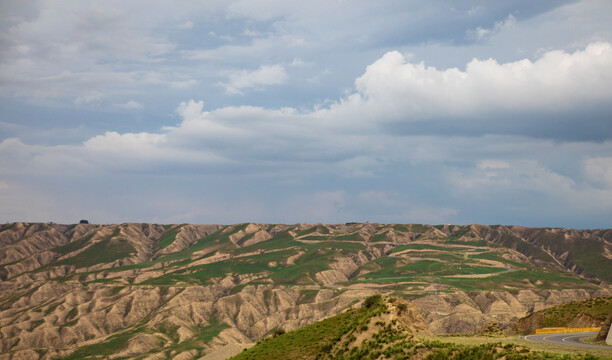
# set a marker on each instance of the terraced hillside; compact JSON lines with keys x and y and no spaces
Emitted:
{"x":168,"y":291}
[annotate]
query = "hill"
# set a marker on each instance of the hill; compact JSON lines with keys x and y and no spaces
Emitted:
{"x":577,"y":314}
{"x":143,"y":289}
{"x":381,"y":329}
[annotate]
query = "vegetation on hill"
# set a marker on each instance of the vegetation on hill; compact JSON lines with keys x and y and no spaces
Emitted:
{"x":585,"y":313}
{"x":319,"y":338}
{"x":366,"y":333}
{"x":562,"y":315}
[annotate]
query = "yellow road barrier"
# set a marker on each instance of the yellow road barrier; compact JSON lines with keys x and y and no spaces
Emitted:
{"x":565,"y":330}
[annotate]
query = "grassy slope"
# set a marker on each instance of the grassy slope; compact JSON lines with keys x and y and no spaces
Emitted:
{"x":334,"y":338}
{"x":584,"y":251}
{"x":588,"y":255}
{"x":440,"y":258}
{"x":167,"y":239}
{"x":562,"y":315}
{"x":312,"y":340}
{"x":108,"y":250}
{"x":440,"y":262}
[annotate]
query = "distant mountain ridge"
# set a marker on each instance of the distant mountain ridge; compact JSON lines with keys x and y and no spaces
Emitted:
{"x":170,"y":289}
{"x":587,"y":253}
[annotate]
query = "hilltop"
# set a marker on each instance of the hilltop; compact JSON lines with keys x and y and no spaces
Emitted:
{"x":133,"y":290}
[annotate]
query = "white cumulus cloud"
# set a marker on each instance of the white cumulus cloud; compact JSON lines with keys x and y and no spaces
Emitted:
{"x":556,"y":80}
{"x":264,"y":75}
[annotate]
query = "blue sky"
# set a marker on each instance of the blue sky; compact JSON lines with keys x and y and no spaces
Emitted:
{"x":321,"y":111}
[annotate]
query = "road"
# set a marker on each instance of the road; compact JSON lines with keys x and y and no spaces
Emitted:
{"x":569,"y":339}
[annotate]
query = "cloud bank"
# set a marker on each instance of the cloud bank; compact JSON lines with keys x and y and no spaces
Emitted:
{"x":350,"y":139}
{"x":391,"y":90}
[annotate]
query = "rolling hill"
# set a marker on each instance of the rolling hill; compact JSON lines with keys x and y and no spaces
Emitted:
{"x":170,"y":291}
{"x":384,"y":328}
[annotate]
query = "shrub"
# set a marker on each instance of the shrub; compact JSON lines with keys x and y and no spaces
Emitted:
{"x":372,"y":300}
{"x":278,"y":331}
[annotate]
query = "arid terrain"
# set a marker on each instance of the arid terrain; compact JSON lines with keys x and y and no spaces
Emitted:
{"x":181,"y":291}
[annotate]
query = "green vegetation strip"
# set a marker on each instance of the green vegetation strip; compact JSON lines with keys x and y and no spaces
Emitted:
{"x":111,"y":248}
{"x":560,"y":316}
{"x":102,"y":350}
{"x":167,"y":239}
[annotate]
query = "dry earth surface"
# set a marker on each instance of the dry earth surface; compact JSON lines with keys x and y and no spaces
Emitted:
{"x":151,"y":291}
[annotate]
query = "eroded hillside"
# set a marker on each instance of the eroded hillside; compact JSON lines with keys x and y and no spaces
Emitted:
{"x":158,"y":291}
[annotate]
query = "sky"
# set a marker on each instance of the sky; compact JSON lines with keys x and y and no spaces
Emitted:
{"x":270,"y":111}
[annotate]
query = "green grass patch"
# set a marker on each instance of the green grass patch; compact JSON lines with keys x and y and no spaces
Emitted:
{"x":315,"y":237}
{"x":219,"y":239}
{"x":108,"y":250}
{"x":312,"y":340}
{"x":206,"y":333}
{"x":320,"y":229}
{"x":458,"y":232}
{"x":344,"y":237}
{"x":167,"y":239}
{"x":380,"y":237}
{"x":282,"y":240}
{"x":308,"y":296}
{"x":422,"y":247}
{"x":306,"y":266}
{"x":401,"y":228}
{"x":588,"y":254}
{"x":37,"y":323}
{"x":74,"y":245}
{"x":203,"y":274}
{"x":351,"y":237}
{"x":102,"y":350}
{"x":518,"y":279}
{"x":451,"y":257}
{"x":419,"y":228}
{"x":480,"y":243}
{"x":496,"y":256}
{"x":562,"y":315}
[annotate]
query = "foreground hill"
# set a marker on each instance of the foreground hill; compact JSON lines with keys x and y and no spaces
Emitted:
{"x":381,"y":329}
{"x":182,"y":290}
